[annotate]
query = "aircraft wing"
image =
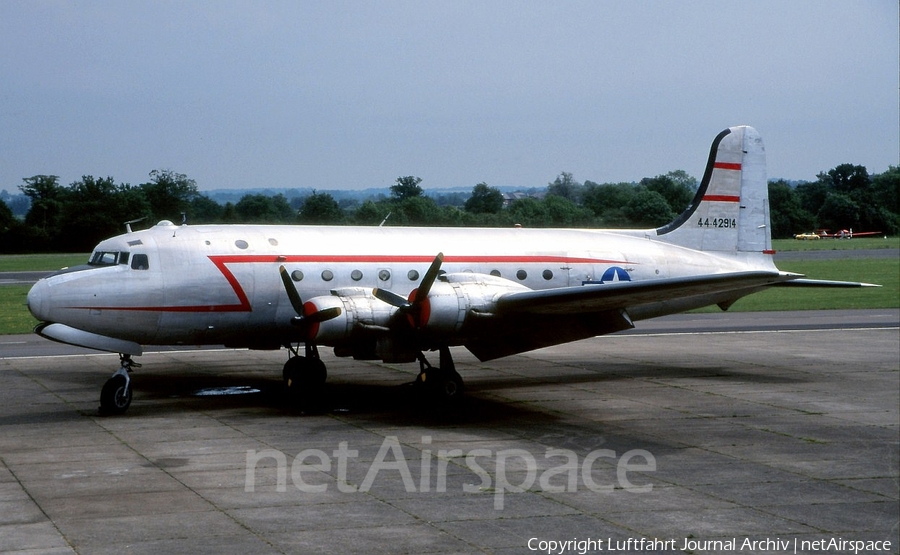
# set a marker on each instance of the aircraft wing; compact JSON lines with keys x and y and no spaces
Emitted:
{"x":624,"y":294}
{"x":802,"y":282}
{"x":527,"y":320}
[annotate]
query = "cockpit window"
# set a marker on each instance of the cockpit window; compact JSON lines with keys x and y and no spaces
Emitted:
{"x":140,"y":262}
{"x":105,"y":258}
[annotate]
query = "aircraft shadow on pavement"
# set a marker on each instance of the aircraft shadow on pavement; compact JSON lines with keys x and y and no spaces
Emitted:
{"x":200,"y":388}
{"x":189,"y":391}
{"x":638,"y":372}
{"x":392,"y":405}
{"x":397,"y":403}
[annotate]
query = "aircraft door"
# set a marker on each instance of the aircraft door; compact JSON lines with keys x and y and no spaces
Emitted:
{"x":141,"y":283}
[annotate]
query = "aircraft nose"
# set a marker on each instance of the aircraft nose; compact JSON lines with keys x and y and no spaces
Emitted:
{"x":37,"y":300}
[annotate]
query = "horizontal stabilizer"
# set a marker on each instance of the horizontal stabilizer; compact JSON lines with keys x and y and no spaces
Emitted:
{"x":72,"y":336}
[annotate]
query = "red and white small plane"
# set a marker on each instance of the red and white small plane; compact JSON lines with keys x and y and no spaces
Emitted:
{"x":393,"y":293}
{"x":846,"y":233}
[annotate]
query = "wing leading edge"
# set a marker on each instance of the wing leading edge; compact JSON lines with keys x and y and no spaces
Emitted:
{"x":628,"y":294}
{"x":802,"y":282}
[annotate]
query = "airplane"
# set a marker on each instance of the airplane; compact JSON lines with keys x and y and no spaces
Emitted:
{"x":395,"y":293}
{"x":842,"y":234}
{"x":847,"y":233}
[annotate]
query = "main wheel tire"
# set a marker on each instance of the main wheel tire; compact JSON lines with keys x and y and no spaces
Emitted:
{"x":304,"y":376}
{"x":445,"y":386}
{"x":115,"y":397}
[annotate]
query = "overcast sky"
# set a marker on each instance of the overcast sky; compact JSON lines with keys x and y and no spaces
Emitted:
{"x":347,"y":95}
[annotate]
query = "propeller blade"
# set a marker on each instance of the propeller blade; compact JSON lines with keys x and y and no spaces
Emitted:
{"x":390,"y":298}
{"x":324,"y":315}
{"x":292,"y":292}
{"x":413,"y":309}
{"x":428,"y":280}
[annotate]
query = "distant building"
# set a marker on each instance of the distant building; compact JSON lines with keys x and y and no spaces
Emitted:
{"x":519,"y":195}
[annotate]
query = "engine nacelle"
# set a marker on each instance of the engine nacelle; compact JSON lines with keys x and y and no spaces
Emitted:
{"x":366,"y":326}
{"x":456,"y":296}
{"x":361,"y":312}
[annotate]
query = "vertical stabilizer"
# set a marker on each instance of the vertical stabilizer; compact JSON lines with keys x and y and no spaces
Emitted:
{"x":730,"y":211}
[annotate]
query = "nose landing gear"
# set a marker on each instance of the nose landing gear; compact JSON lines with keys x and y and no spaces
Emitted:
{"x":115,"y":397}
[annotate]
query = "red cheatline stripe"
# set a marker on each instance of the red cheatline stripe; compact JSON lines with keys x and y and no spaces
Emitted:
{"x":722,"y":198}
{"x":726,"y":166}
{"x":220,"y":262}
{"x":197,"y":308}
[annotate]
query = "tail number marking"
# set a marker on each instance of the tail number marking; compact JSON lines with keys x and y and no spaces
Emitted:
{"x":720,"y":223}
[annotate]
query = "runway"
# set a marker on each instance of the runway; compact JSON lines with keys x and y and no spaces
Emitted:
{"x":693,"y":430}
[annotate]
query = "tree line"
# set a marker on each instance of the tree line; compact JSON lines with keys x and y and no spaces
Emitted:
{"x":76,"y":217}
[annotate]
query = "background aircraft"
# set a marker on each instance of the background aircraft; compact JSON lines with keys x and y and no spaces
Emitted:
{"x":392,"y":294}
{"x":847,"y":233}
{"x":842,"y":234}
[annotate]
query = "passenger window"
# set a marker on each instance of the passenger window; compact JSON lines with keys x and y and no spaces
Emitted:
{"x":140,"y":262}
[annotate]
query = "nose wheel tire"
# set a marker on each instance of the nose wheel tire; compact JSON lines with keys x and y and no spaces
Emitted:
{"x":115,"y":397}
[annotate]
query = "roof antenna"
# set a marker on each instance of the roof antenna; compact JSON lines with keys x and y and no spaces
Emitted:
{"x":385,"y":219}
{"x":129,"y":222}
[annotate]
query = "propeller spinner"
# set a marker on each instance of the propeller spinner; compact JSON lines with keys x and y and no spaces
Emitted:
{"x":413,"y":306}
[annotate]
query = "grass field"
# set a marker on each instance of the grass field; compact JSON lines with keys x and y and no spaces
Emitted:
{"x":14,"y":316}
{"x":786,"y":245}
{"x":881,"y":271}
{"x":40,"y":262}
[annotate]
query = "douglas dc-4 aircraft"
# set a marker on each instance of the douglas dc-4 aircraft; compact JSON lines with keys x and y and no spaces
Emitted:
{"x":392,"y":293}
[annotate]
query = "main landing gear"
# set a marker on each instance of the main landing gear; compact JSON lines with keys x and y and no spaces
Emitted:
{"x":304,"y":376}
{"x":442,"y":384}
{"x":115,"y":397}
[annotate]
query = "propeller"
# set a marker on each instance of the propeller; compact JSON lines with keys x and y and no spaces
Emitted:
{"x":303,"y":319}
{"x":413,"y":307}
